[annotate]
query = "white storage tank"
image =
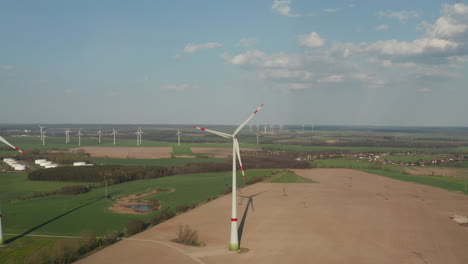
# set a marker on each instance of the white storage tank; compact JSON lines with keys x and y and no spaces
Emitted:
{"x":39,"y":161}
{"x":79,"y":163}
{"x":19,"y":167}
{"x":45,"y":163}
{"x":51,"y":166}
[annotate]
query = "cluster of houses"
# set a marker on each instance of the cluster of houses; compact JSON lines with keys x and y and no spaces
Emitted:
{"x":14,"y":164}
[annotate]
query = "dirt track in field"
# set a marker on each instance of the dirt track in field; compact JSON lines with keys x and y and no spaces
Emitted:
{"x":220,"y":152}
{"x":437,"y":172}
{"x":348,"y":217}
{"x":127,"y":152}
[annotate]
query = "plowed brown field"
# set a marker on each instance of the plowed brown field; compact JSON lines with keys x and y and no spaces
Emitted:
{"x":348,"y":217}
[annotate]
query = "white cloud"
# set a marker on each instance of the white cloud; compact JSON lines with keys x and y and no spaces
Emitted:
{"x":177,"y":87}
{"x":247,"y":42}
{"x":424,"y":90}
{"x":191,"y":48}
{"x":260,"y":59}
{"x":311,"y":40}
{"x":6,"y":67}
{"x":282,"y":7}
{"x":399,"y":15}
{"x":332,"y":79}
{"x":452,"y":24}
{"x":331,"y":10}
{"x":287,"y":74}
{"x":416,"y":47}
{"x":382,"y":27}
{"x":295,"y":86}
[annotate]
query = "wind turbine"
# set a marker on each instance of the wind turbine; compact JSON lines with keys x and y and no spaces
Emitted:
{"x":43,"y":137}
{"x":99,"y":135}
{"x":141,"y":133}
{"x":41,"y":127}
{"x":114,"y":133}
{"x":67,"y":136}
{"x":17,"y":149}
{"x":265,"y":128}
{"x":234,"y":241}
{"x":250,"y":125}
{"x":178,"y":137}
{"x":79,"y":137}
{"x":138,"y":133}
{"x":258,"y":135}
{"x":257,"y":126}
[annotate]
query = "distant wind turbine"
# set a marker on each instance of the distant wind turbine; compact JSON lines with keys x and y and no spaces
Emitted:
{"x":67,"y":136}
{"x":178,"y":137}
{"x":99,"y":135}
{"x":79,"y":137}
{"x":234,"y":241}
{"x":114,"y":133}
{"x":141,"y":133}
{"x":258,"y":135}
{"x":42,"y":127}
{"x":138,"y":134}
{"x":43,"y":137}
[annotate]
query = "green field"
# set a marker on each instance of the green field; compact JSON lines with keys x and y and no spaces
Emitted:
{"x":152,"y":162}
{"x":70,"y":214}
{"x":447,"y":183}
{"x":289,"y":177}
{"x":59,"y":142}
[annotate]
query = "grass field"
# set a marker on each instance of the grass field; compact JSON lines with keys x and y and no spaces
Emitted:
{"x":152,"y":162}
{"x":70,"y":214}
{"x":447,"y":183}
{"x":19,"y":249}
{"x":408,"y":158}
{"x":289,"y":177}
{"x":352,"y":163}
{"x":354,"y":149}
{"x":59,"y":142}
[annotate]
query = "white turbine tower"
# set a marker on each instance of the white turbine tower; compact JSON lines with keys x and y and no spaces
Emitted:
{"x":67,"y":136}
{"x":265,"y":128}
{"x":178,"y":137}
{"x":258,"y":135}
{"x":43,"y":137}
{"x":99,"y":135}
{"x":79,"y":137}
{"x":138,"y":133}
{"x":114,"y":133}
{"x":17,"y":149}
{"x":234,"y":241}
{"x":42,"y":127}
{"x":250,"y":125}
{"x":141,"y":133}
{"x":257,"y":126}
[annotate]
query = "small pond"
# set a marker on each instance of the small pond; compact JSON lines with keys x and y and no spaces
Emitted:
{"x":141,"y":207}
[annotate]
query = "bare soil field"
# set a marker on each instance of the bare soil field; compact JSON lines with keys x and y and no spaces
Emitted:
{"x":127,"y":152}
{"x":348,"y":217}
{"x":220,"y":152}
{"x":437,"y":171}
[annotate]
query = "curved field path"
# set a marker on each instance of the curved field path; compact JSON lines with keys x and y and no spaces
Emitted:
{"x":348,"y":217}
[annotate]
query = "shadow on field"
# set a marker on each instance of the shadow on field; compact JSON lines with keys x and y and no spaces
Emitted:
{"x":55,"y":218}
{"x":240,"y":230}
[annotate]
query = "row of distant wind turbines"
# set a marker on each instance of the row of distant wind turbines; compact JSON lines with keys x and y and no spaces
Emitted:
{"x":79,"y":134}
{"x":138,"y":133}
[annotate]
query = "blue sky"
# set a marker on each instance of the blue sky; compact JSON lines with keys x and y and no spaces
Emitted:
{"x":213,"y":62}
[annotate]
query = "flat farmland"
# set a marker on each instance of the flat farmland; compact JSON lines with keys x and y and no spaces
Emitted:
{"x":347,"y":217}
{"x":127,"y":152}
{"x":220,"y":152}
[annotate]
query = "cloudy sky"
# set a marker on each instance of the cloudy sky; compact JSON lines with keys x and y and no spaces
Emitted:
{"x":350,"y":62}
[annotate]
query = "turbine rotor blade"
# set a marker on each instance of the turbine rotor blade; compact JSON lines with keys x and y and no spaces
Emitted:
{"x":246,"y":121}
{"x":221,"y":134}
{"x":8,"y":143}
{"x":237,"y":148}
